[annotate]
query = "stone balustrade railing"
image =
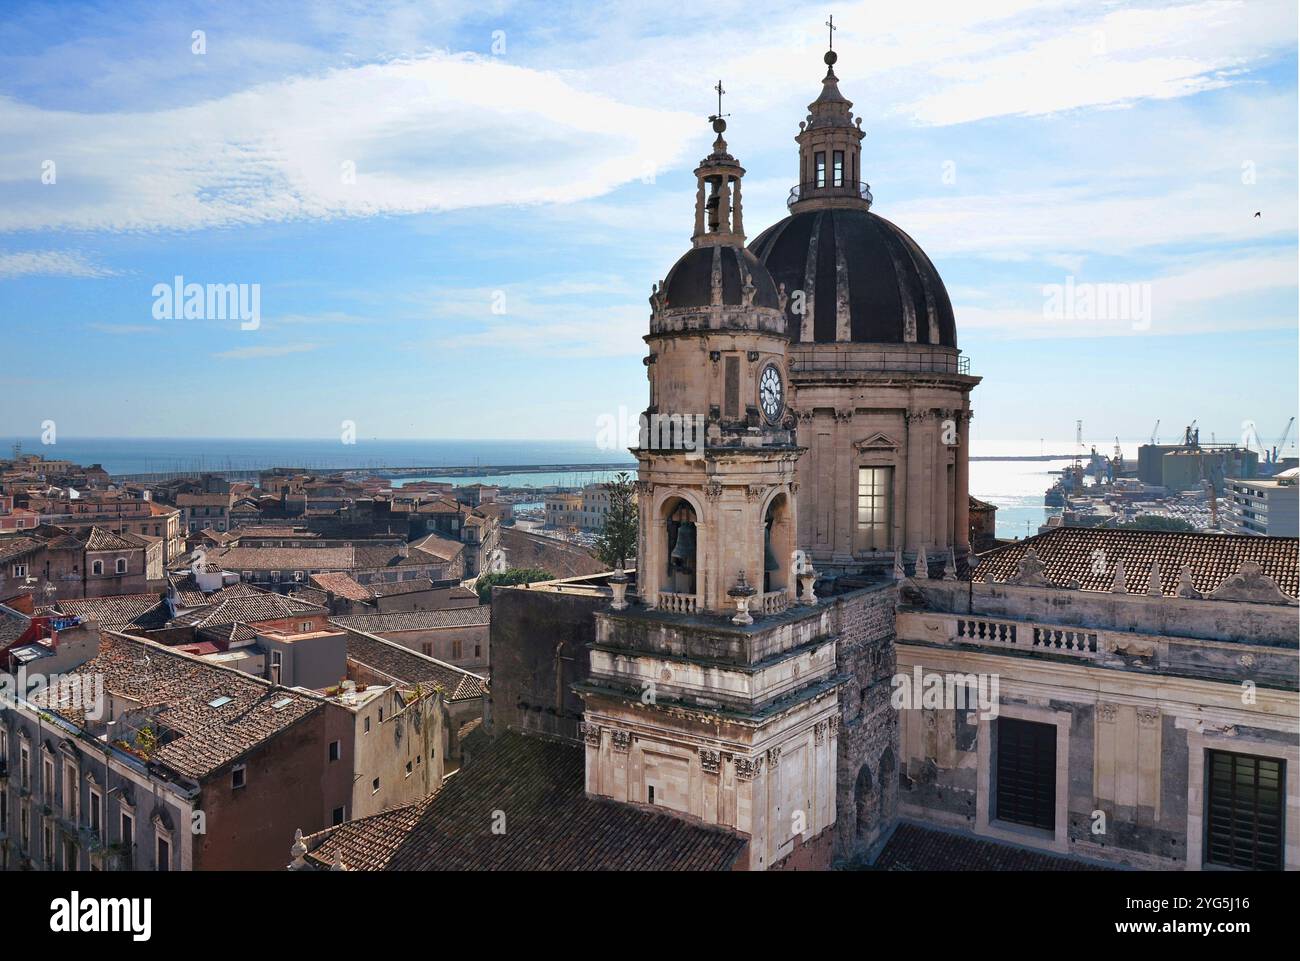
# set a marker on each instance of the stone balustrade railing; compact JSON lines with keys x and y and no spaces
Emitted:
{"x":678,"y":603}
{"x":773,"y":602}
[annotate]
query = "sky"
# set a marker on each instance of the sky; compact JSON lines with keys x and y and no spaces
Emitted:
{"x":452,"y":213}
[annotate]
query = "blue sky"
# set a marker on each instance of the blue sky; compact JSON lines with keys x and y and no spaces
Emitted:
{"x":536,"y":158}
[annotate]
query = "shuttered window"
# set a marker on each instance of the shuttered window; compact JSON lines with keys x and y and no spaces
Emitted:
{"x":1026,"y":773}
{"x":1244,"y":811}
{"x":731,"y":388}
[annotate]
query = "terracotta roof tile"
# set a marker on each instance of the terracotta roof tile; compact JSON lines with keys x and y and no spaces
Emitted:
{"x":551,"y":823}
{"x":1089,"y":554}
{"x":916,"y":848}
{"x":478,"y":616}
{"x":409,"y":667}
{"x":141,"y":611}
{"x":197,"y":738}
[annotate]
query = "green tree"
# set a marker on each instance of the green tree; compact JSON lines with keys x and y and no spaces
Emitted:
{"x":511,"y":575}
{"x":617,"y":540}
{"x":1154,"y":522}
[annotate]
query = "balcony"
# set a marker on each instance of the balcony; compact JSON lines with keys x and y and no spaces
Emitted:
{"x":856,"y":190}
{"x":823,"y":361}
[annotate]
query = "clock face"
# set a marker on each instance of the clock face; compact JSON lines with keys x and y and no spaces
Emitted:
{"x":771,"y":392}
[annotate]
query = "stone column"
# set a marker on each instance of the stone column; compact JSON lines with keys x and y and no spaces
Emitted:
{"x":939,"y":481}
{"x":961,"y":482}
{"x":842,"y":483}
{"x":917,"y":528}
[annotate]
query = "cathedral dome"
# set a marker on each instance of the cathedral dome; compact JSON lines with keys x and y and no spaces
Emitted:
{"x":856,"y":267}
{"x":692,"y":280}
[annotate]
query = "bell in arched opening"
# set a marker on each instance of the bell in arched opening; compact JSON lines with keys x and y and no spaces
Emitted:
{"x":681,"y":551}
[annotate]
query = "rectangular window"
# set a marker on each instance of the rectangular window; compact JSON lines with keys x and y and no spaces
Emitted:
{"x":1025,"y":791}
{"x":338,"y":816}
{"x":336,"y":750}
{"x":127,"y":838}
{"x":820,"y":160}
{"x":96,"y":809}
{"x":238,"y":776}
{"x":456,"y":650}
{"x":875,"y":516}
{"x":1243,"y":811}
{"x":839,"y":168}
{"x":163,"y":861}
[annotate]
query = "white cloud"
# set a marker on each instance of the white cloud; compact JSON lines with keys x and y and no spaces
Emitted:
{"x":1215,"y":295}
{"x":50,"y":263}
{"x":438,"y":132}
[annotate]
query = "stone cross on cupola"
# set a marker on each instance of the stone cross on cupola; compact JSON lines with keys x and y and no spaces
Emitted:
{"x":830,"y":148}
{"x":718,"y":215}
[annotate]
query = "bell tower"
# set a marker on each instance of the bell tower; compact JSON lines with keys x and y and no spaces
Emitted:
{"x":714,"y":694}
{"x":717,"y":452}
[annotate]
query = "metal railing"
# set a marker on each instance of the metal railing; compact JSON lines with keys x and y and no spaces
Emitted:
{"x":813,"y":190}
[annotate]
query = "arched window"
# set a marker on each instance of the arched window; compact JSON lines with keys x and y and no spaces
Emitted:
{"x":97,"y":567}
{"x":778,"y":546}
{"x":681,"y":529}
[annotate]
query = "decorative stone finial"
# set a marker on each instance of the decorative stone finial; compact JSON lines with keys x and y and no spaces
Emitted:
{"x":1185,"y":586}
{"x":1154,"y":588}
{"x":1119,"y":585}
{"x":922,"y":570}
{"x":618,"y":584}
{"x":950,"y":568}
{"x":741,"y":594}
{"x":899,"y":572}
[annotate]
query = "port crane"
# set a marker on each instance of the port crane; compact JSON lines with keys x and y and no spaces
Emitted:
{"x":1155,"y":432}
{"x":1281,"y":442}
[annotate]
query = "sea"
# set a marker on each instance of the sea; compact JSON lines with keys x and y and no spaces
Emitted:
{"x":1016,"y":487}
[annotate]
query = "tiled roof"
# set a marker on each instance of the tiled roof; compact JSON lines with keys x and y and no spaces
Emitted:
{"x":394,"y":588}
{"x":917,"y":848}
{"x":349,"y":558}
{"x":550,"y":824}
{"x":142,"y":611}
{"x":197,"y":738}
{"x":246,"y":606}
{"x":284,"y":558}
{"x":560,"y":558}
{"x":102,"y":539}
{"x":341,"y":585}
{"x":1089,"y":554}
{"x":12,"y":625}
{"x":224,"y":635}
{"x":418,"y":620}
{"x":11,"y":547}
{"x":442,"y":548}
{"x":409,"y":667}
{"x":187,"y":591}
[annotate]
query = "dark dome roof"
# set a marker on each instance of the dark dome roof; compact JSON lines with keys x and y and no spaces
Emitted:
{"x":690,"y":282}
{"x":888,"y":281}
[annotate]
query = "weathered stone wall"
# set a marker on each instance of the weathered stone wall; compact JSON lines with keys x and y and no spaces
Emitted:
{"x":539,"y":649}
{"x":867,"y":765}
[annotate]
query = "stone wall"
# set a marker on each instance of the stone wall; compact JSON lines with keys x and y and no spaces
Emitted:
{"x":867,"y":768}
{"x":539,"y":643}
